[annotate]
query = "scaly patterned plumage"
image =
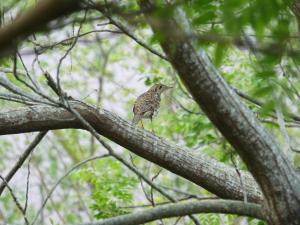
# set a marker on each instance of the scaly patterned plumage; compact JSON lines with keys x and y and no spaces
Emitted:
{"x":147,"y":104}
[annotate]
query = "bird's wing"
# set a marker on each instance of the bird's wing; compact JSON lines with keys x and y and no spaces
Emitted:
{"x":143,"y":104}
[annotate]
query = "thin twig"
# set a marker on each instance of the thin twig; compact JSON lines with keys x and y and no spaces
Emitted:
{"x":185,"y":108}
{"x":15,"y":98}
{"x":15,"y":200}
{"x":22,"y":159}
{"x":237,"y":169}
{"x":33,"y":88}
{"x":51,"y":83}
{"x":126,"y":31}
{"x":27,"y":182}
{"x":76,"y":166}
{"x":14,"y":89}
{"x":260,"y":104}
{"x":35,"y":84}
{"x":188,"y":195}
{"x":141,"y":181}
{"x":67,"y":52}
{"x":55,"y":205}
{"x":119,"y":158}
{"x":68,"y":41}
{"x":4,"y":82}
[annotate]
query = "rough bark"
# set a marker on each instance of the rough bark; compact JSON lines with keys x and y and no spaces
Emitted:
{"x":262,"y":155}
{"x":186,"y":208}
{"x":260,"y":152}
{"x":210,"y":174}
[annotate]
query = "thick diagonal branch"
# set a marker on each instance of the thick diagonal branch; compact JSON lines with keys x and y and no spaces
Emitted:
{"x":210,"y":174}
{"x":238,"y":124}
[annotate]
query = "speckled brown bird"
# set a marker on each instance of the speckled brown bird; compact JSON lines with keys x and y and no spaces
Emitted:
{"x":147,"y":104}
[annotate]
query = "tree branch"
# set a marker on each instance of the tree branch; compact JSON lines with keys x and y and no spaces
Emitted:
{"x":212,"y":175}
{"x":22,"y":159}
{"x":76,"y":166}
{"x":34,"y":20}
{"x":183,"y":209}
{"x":258,"y":149}
{"x":15,"y":199}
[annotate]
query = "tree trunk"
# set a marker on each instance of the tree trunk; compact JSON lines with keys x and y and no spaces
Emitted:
{"x":273,"y":172}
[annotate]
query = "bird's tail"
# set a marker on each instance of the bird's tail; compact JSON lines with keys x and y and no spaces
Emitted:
{"x":136,"y":119}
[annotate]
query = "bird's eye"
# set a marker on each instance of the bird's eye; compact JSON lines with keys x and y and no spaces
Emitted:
{"x":160,"y":87}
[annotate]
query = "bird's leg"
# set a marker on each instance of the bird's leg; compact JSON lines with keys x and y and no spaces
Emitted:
{"x":142,"y":124}
{"x":152,"y":125}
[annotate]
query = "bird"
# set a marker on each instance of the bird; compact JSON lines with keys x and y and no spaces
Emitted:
{"x":147,"y":104}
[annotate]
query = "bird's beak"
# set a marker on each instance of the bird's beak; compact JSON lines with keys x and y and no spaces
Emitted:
{"x":168,"y":87}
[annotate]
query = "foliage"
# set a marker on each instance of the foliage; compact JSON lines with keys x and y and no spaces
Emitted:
{"x":269,"y":72}
{"x":111,"y":188}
